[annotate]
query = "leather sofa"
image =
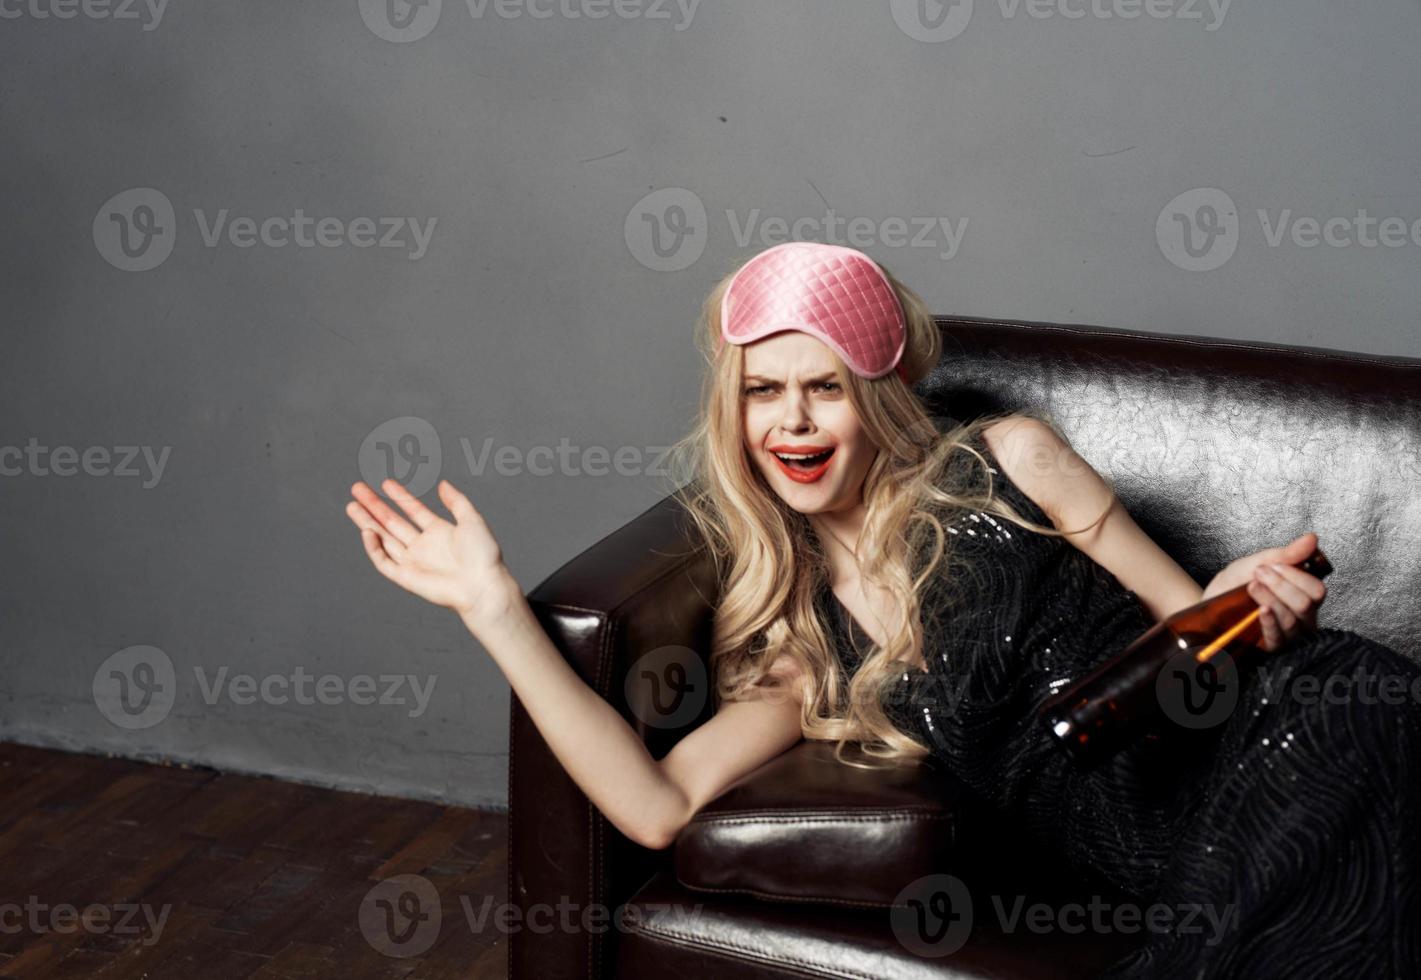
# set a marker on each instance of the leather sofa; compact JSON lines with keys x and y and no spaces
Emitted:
{"x":806,"y":867}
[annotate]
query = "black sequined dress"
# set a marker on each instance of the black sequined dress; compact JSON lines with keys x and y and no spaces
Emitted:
{"x":1292,"y":829}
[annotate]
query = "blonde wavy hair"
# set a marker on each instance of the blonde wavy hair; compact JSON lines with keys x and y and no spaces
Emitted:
{"x":771,"y":565}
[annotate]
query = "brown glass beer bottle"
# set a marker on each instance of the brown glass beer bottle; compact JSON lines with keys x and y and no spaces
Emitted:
{"x":1117,"y":701}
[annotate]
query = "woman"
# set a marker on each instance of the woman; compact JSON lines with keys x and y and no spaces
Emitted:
{"x":922,"y":588}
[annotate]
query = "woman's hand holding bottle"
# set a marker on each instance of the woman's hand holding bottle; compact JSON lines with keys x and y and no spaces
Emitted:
{"x":455,"y":565}
{"x":1154,"y":679}
{"x":1287,"y":595}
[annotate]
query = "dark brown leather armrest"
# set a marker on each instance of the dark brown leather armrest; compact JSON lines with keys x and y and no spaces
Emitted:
{"x":644,"y":591}
{"x":807,"y":827}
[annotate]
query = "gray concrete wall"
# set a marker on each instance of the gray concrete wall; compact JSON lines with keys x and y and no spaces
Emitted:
{"x":522,"y":214}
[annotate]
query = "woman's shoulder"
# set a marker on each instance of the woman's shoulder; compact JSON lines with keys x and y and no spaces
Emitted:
{"x":1013,"y":449}
{"x":1008,"y":436}
{"x":1026,"y":452}
{"x":1005,"y":433}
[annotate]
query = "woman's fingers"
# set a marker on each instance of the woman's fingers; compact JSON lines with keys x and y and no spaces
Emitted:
{"x":1309,"y":585}
{"x":1300,"y":591}
{"x":384,"y":514}
{"x":383,"y":563}
{"x":362,"y":519}
{"x":411,"y":505}
{"x":1274,"y":608}
{"x":1294,"y":598}
{"x":405,"y":576}
{"x":460,"y":506}
{"x":1268,"y":623}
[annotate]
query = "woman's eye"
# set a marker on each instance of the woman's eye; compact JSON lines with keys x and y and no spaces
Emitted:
{"x":756,"y":389}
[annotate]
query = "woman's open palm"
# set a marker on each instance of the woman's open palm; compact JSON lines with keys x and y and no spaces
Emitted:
{"x":458,"y":566}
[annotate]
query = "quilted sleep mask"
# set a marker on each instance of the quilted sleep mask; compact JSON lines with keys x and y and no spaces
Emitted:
{"x":836,"y":294}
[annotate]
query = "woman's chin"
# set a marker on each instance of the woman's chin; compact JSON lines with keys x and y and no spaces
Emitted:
{"x":807,"y":498}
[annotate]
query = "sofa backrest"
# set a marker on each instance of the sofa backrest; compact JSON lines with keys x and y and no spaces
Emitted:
{"x":1219,"y":449}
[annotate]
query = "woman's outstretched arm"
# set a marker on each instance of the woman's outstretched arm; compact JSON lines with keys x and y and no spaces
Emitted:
{"x":648,"y":800}
{"x":596,"y":746}
{"x":459,"y":566}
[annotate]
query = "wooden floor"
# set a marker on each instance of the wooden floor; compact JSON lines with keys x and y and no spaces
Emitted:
{"x":188,"y":873}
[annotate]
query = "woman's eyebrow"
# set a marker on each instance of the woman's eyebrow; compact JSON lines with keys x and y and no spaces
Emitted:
{"x":830,"y":376}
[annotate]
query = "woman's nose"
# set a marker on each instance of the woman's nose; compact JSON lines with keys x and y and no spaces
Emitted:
{"x":795,"y":415}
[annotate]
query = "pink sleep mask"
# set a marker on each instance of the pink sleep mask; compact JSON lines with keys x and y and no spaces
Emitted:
{"x":836,"y":294}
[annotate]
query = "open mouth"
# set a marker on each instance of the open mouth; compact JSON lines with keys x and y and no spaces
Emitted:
{"x":805,"y":461}
{"x":804,"y":467}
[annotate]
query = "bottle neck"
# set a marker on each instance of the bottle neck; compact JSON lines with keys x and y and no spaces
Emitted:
{"x":1316,"y":564}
